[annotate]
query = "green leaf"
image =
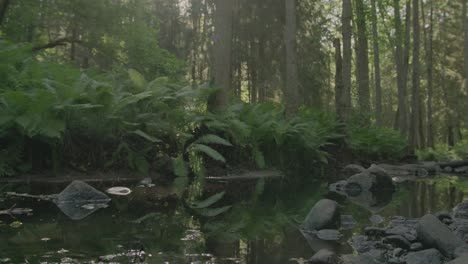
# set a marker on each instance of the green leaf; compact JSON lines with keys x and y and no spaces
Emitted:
{"x":180,"y":183}
{"x":259,"y":158}
{"x":180,"y":167}
{"x":208,"y":151}
{"x":213,"y":139}
{"x":208,"y":202}
{"x":146,"y":217}
{"x":146,"y":136}
{"x":211,"y":212}
{"x":137,"y":78}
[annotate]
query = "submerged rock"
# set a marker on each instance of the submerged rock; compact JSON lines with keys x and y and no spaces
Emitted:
{"x":324,"y":215}
{"x":433,"y":233}
{"x":78,"y":200}
{"x":428,"y":256}
{"x":324,"y":256}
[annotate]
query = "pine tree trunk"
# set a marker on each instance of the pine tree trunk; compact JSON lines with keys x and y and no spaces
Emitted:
{"x":465,"y":45}
{"x":346,"y":19}
{"x":414,"y":139}
{"x":3,"y":8}
{"x":428,"y":43}
{"x":292,"y":82}
{"x":378,"y":86}
{"x":222,"y":53}
{"x":339,"y":106}
{"x":401,"y":120}
{"x":362,"y":59}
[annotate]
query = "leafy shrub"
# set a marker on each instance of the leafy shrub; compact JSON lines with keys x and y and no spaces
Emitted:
{"x":375,"y":142}
{"x":441,"y":152}
{"x":461,"y":149}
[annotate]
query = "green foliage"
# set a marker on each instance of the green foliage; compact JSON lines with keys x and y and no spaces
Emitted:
{"x":443,"y":152}
{"x":374,"y":142}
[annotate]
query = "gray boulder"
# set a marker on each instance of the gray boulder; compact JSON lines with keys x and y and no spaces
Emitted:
{"x":359,"y":259}
{"x":351,"y":169}
{"x":433,"y":233}
{"x":78,"y":200}
{"x":324,"y":256}
{"x":324,"y":215}
{"x":428,"y":256}
{"x":460,"y":260}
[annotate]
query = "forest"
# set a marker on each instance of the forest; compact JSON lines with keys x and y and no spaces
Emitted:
{"x":184,"y":92}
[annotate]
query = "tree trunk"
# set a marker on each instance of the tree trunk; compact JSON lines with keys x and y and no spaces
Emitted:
{"x":292,"y":82}
{"x":414,"y":139}
{"x":362,"y":59}
{"x":428,"y":40}
{"x":340,"y":108}
{"x":378,"y":86}
{"x":3,"y":8}
{"x":222,"y":53}
{"x":465,"y":45}
{"x":346,"y":19}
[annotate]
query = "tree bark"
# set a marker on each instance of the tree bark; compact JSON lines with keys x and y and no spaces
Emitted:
{"x":222,"y":53}
{"x":346,"y":18}
{"x":401,"y":69}
{"x":465,"y":45}
{"x":339,"y":106}
{"x":3,"y":9}
{"x":378,"y":86}
{"x":362,"y":59}
{"x":414,"y":139}
{"x":428,"y":44}
{"x":292,"y":81}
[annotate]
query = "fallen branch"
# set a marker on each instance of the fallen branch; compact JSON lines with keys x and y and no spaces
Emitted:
{"x":250,"y":176}
{"x":55,"y":43}
{"x":16,"y":211}
{"x":40,"y":197}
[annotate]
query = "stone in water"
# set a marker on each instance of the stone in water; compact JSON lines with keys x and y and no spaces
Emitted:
{"x":119,"y":191}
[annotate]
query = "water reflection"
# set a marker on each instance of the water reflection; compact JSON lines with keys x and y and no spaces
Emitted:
{"x":258,"y":229}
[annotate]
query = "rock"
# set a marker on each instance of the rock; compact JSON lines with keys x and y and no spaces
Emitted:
{"x":460,"y":252}
{"x":76,"y":199}
{"x":359,"y":259}
{"x":443,"y":215}
{"x":463,"y":169}
{"x":416,"y":246}
{"x":329,"y":234}
{"x":397,"y":252}
{"x":398,"y":230}
{"x":120,"y":191}
{"x":375,"y":231}
{"x":371,"y":180}
{"x":376,"y":219}
{"x":362,"y":244}
{"x":460,"y":260}
{"x":433,"y":233}
{"x":448,"y":169}
{"x":428,"y":256}
{"x":324,"y":215}
{"x":347,"y":222}
{"x":324,"y":256}
{"x":461,"y":210}
{"x":397,"y":241}
{"x":351,"y":169}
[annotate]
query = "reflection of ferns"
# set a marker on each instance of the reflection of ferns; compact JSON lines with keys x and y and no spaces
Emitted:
{"x":10,"y":158}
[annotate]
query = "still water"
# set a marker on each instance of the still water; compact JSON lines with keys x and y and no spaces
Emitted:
{"x":260,"y":227}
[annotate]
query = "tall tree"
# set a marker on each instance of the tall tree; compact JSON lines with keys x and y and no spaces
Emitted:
{"x":465,"y":45}
{"x":428,"y":47}
{"x":339,"y":104}
{"x":362,"y":58}
{"x":292,"y":81}
{"x":3,"y":8}
{"x":378,"y":86}
{"x":222,"y":53}
{"x":414,"y":139}
{"x":346,"y":18}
